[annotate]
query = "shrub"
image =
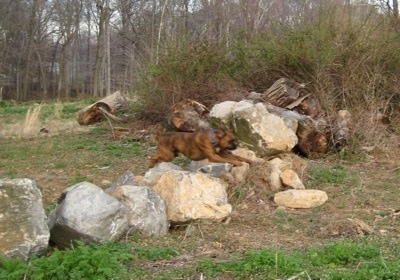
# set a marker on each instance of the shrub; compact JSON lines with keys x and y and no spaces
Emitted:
{"x":82,"y":262}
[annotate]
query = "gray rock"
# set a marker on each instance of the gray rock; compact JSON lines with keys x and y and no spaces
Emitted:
{"x":85,"y":212}
{"x":126,"y":179}
{"x":24,"y":232}
{"x":153,"y":174}
{"x":256,"y":128}
{"x":213,"y":168}
{"x":146,"y":209}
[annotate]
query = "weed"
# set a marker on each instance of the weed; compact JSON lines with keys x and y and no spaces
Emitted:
{"x":352,"y":260}
{"x":99,"y":131}
{"x":31,"y":120}
{"x":343,"y":253}
{"x":357,"y":259}
{"x":153,"y":254}
{"x":334,"y":175}
{"x":60,"y":165}
{"x":78,"y":179}
{"x":182,"y":161}
{"x":342,"y":260}
{"x":12,"y":174}
{"x":81,"y":262}
{"x":262,"y":264}
{"x":70,"y":109}
{"x":19,"y":110}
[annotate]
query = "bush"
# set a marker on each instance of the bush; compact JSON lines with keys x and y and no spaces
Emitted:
{"x":347,"y":57}
{"x":82,"y":262}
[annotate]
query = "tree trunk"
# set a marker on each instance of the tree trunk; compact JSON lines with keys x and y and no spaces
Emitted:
{"x":313,"y":140}
{"x":107,"y":50}
{"x":31,"y":33}
{"x":288,"y":94}
{"x":396,"y":8}
{"x":189,"y":116}
{"x":43,"y":78}
{"x":106,"y":107}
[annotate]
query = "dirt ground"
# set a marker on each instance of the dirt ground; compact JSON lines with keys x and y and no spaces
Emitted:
{"x":364,"y":203}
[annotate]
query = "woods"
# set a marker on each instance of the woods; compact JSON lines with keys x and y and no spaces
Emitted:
{"x":78,"y":48}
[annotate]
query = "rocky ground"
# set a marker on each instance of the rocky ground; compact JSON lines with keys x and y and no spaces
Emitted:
{"x":362,"y":191}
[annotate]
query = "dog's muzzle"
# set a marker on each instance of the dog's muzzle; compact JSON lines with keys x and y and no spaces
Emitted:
{"x":233,"y":145}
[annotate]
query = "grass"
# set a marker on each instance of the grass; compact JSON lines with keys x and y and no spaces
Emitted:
{"x":63,"y":160}
{"x":335,"y":175}
{"x":82,"y":262}
{"x":342,"y":260}
{"x":358,"y":259}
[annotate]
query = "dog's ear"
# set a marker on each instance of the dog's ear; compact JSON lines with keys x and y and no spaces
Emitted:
{"x":223,"y":128}
{"x":219,"y":133}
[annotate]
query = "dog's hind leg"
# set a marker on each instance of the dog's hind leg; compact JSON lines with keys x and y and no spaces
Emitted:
{"x":153,"y":161}
{"x":164,"y":154}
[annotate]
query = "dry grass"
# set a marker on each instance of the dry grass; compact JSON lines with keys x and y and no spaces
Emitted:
{"x":376,"y":137}
{"x":58,"y":107}
{"x":31,"y":123}
{"x":35,"y":123}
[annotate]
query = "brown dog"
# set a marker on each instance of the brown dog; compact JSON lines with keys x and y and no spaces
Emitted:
{"x":214,"y":145}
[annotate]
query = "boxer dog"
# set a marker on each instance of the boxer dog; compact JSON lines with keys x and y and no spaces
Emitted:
{"x":214,"y":145}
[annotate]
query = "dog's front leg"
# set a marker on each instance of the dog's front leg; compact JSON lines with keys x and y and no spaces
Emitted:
{"x":219,"y":158}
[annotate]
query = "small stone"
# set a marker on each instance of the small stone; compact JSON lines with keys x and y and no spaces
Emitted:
{"x":301,"y":198}
{"x":291,"y":179}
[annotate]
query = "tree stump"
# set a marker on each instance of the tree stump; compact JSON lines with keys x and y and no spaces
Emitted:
{"x":291,"y":95}
{"x":189,"y":116}
{"x":313,"y":141}
{"x":340,"y":131}
{"x":106,"y":107}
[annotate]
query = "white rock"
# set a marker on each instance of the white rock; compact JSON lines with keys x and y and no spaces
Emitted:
{"x":191,"y":196}
{"x":291,"y":179}
{"x":301,"y":198}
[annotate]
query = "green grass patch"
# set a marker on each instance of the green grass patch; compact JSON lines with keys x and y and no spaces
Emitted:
{"x":343,"y":260}
{"x":53,"y":110}
{"x":81,"y":262}
{"x":100,"y":131}
{"x":334,"y":175}
{"x":358,"y":259}
{"x":78,"y":179}
{"x":264,"y":263}
{"x":153,"y":254}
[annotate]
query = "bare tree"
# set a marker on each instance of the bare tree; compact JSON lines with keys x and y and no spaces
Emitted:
{"x":68,"y":17}
{"x":102,"y":67}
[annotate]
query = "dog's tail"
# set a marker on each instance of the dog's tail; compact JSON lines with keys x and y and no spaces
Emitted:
{"x":159,"y":133}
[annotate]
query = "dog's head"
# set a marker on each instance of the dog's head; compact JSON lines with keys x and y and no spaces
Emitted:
{"x":225,"y":139}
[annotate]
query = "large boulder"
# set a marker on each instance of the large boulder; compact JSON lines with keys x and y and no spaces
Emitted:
{"x":128,"y":178}
{"x":146,"y":209}
{"x":256,"y":128}
{"x":191,"y":196}
{"x":152,"y":175}
{"x":85,"y":212}
{"x":24,"y":232}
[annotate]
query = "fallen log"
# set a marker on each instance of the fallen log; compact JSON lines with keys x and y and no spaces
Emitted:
{"x":189,"y":116}
{"x":291,"y":95}
{"x":104,"y":108}
{"x":313,"y":140}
